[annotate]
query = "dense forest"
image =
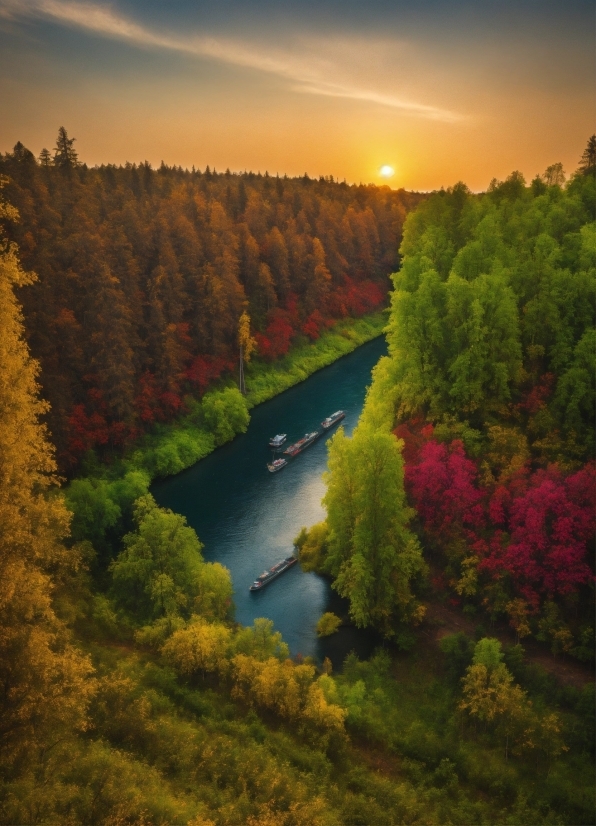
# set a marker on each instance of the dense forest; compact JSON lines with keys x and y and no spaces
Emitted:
{"x":489,"y":388}
{"x":129,"y":693}
{"x":143,"y":275}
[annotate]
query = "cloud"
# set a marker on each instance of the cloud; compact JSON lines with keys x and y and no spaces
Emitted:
{"x":313,"y":74}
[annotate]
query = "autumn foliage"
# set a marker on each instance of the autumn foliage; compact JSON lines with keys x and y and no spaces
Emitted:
{"x":144,"y":274}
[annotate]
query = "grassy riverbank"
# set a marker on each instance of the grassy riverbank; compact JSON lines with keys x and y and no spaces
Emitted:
{"x":101,"y":497}
{"x":264,"y":381}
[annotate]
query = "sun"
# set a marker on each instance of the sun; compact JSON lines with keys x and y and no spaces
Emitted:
{"x":386,"y":171}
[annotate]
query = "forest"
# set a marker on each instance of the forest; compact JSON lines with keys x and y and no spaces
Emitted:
{"x":129,"y":693}
{"x":142,"y":276}
{"x":489,"y":389}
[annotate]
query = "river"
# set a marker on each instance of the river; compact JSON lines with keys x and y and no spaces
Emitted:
{"x":247,"y":517}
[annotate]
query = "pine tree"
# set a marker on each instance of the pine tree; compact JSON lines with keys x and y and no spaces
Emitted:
{"x":45,"y":158}
{"x":65,"y":155}
{"x":587,"y":163}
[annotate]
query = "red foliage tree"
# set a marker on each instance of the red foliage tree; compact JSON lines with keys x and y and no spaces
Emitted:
{"x":313,"y":324}
{"x":538,"y":396}
{"x":275,"y":342}
{"x":146,"y":400}
{"x":360,"y":297}
{"x":205,"y":369}
{"x":443,"y":488}
{"x":86,"y":431}
{"x":414,"y":433}
{"x":545,"y":529}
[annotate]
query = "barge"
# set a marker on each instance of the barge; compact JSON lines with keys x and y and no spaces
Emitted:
{"x":268,"y":576}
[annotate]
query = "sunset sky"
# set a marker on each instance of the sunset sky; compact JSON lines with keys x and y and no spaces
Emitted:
{"x":439,"y":91}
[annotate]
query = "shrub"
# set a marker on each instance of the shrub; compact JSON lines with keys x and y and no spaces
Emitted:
{"x":328,"y":624}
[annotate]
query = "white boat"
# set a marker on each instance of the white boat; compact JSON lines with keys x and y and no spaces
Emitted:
{"x":276,"y":464}
{"x":277,"y":441}
{"x":333,"y":419}
{"x":267,"y":576}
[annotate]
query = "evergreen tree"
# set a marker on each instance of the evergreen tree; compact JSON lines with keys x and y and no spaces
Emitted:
{"x":587,"y":163}
{"x":65,"y":155}
{"x":45,"y":158}
{"x":111,"y":338}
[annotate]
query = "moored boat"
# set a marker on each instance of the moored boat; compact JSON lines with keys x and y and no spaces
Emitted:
{"x":276,"y":464}
{"x":268,"y":576}
{"x":298,"y":447}
{"x":277,"y":441}
{"x":333,"y":419}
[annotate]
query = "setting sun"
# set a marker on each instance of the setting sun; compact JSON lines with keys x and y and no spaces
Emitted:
{"x":386,"y":171}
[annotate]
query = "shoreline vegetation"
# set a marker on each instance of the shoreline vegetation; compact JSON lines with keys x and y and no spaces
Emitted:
{"x":102,"y":495}
{"x":307,"y":358}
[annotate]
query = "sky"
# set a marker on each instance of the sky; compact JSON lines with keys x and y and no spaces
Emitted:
{"x":438,"y":91}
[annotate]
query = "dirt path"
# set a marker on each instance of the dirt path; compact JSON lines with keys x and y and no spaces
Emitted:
{"x":441,"y":621}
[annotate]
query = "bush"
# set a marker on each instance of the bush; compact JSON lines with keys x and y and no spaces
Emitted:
{"x":225,"y":413}
{"x":328,"y":624}
{"x":312,"y":547}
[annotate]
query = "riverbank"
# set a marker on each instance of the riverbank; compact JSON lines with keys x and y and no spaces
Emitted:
{"x":264,"y":381}
{"x":102,"y":495}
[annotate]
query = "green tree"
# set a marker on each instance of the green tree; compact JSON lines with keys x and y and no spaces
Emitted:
{"x":486,"y":360}
{"x":160,"y":572}
{"x":491,"y":696}
{"x":225,"y":414}
{"x":418,"y":339}
{"x":94,"y":511}
{"x":312,"y":547}
{"x":372,"y":555}
{"x":213,"y":598}
{"x":261,"y":642}
{"x":328,"y":624}
{"x":554,"y":175}
{"x":587,"y":163}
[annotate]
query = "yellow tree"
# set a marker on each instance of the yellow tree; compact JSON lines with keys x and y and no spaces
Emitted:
{"x":247,"y":346}
{"x":45,"y":680}
{"x":202,"y":646}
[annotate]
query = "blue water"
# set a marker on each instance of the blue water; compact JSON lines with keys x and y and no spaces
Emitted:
{"x":247,"y":517}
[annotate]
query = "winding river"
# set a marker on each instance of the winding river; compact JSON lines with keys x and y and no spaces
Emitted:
{"x":247,"y":517}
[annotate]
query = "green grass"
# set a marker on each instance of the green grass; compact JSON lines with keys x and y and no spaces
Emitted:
{"x":264,"y":381}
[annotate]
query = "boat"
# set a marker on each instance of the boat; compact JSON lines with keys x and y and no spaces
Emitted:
{"x":298,"y":447}
{"x":268,"y":576}
{"x":276,"y":464}
{"x":333,"y":419}
{"x":277,"y":441}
